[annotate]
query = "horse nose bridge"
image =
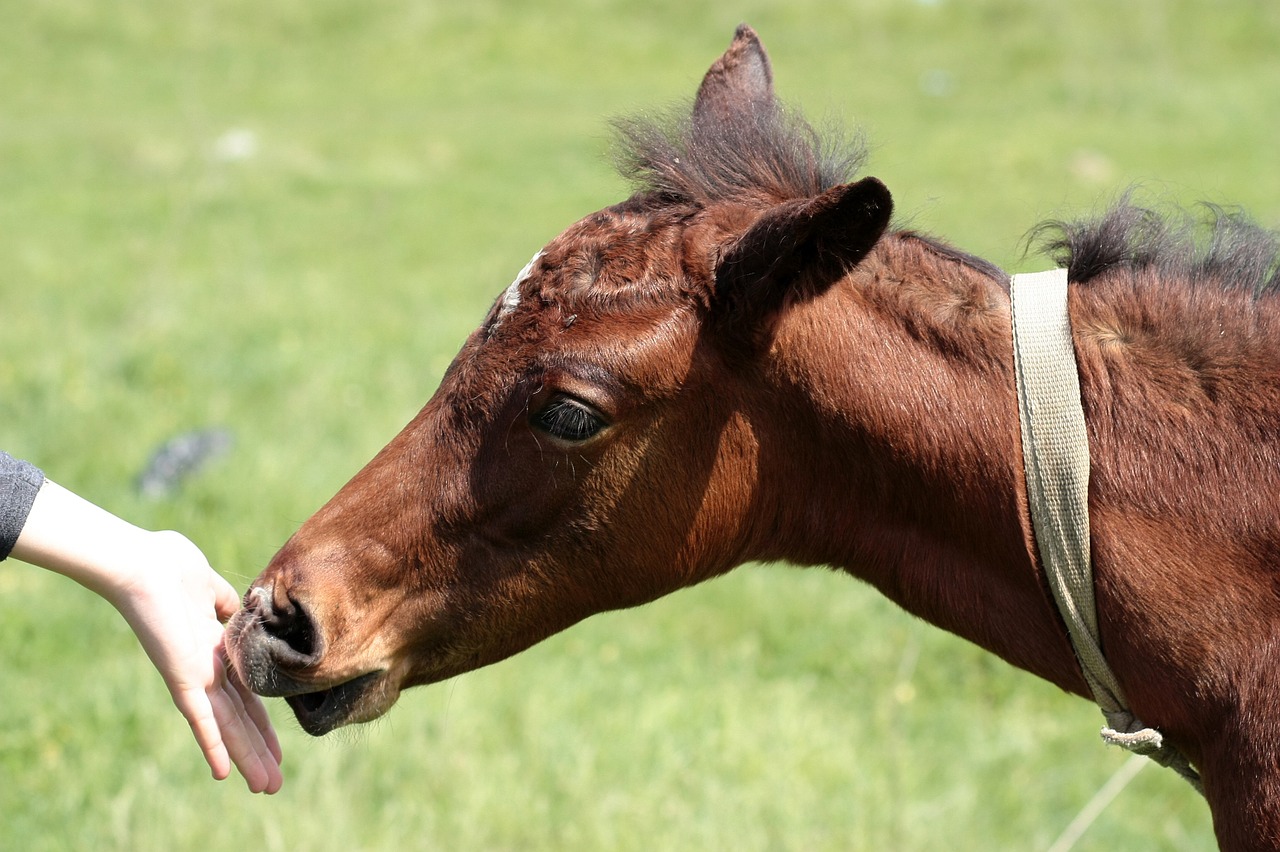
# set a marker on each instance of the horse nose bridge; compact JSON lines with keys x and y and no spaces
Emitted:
{"x":294,"y":579}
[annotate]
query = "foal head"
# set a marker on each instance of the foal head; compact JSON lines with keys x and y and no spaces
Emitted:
{"x":594,"y":445}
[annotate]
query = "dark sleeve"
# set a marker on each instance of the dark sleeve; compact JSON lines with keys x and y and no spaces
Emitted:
{"x":19,"y":482}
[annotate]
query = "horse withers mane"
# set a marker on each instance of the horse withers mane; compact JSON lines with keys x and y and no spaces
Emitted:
{"x":1221,"y":247}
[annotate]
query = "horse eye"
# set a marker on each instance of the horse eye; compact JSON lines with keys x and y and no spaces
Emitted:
{"x":568,"y":419}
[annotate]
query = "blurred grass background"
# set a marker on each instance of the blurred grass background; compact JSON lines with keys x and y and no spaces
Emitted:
{"x":282,"y":219}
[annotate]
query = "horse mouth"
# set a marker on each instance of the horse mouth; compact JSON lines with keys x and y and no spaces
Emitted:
{"x":352,"y":701}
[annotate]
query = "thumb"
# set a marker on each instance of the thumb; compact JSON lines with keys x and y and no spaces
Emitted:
{"x":226,"y":601}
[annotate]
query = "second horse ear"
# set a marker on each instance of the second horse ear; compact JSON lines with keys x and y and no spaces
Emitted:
{"x":796,"y":251}
{"x":739,"y":82}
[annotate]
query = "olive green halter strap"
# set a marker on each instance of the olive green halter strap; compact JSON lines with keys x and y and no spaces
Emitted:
{"x":1055,"y":451}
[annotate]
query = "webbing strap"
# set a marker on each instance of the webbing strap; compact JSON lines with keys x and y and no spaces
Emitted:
{"x":1055,"y":453}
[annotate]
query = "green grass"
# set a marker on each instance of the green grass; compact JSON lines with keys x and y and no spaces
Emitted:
{"x":397,"y":162}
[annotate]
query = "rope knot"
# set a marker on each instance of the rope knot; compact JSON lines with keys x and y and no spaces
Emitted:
{"x":1127,"y":731}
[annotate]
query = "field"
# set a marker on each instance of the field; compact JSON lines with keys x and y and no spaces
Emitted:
{"x":281,"y":219}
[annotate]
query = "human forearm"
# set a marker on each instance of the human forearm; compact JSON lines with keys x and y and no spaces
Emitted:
{"x":68,"y":534}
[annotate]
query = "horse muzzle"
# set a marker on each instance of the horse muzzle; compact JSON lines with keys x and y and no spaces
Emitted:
{"x":278,"y":652}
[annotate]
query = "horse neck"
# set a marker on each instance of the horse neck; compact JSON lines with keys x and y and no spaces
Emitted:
{"x":901,"y":409}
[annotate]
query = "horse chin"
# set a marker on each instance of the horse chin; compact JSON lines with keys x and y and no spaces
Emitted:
{"x":361,"y":699}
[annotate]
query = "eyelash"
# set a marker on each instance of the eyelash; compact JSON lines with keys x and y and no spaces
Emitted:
{"x":568,"y":419}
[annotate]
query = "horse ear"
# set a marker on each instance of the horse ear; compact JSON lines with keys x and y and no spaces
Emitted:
{"x":740,"y":81}
{"x":797,"y":250}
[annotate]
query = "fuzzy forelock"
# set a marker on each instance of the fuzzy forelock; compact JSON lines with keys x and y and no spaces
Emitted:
{"x":764,"y":155}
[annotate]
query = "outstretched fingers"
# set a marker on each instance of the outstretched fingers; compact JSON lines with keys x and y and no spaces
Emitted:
{"x":246,"y":732}
{"x":256,"y":712}
{"x":198,"y":710}
{"x":231,"y":731}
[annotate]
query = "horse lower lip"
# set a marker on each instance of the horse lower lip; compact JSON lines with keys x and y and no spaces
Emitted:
{"x":313,"y":701}
{"x":317,"y":712}
{"x":320,"y":712}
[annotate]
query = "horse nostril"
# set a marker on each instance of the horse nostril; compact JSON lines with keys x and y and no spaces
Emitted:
{"x":294,"y":628}
{"x":289,"y":623}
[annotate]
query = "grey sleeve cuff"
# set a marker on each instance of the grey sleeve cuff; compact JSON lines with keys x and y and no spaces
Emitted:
{"x":19,"y":483}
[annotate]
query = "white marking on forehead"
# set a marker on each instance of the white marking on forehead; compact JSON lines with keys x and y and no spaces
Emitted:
{"x":511,"y":298}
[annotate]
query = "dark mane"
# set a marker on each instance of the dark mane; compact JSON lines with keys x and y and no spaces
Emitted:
{"x":769,"y":154}
{"x":1219,"y":247}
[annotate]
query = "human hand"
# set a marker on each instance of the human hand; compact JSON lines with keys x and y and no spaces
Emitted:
{"x":176,"y":604}
{"x":163,"y":586}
